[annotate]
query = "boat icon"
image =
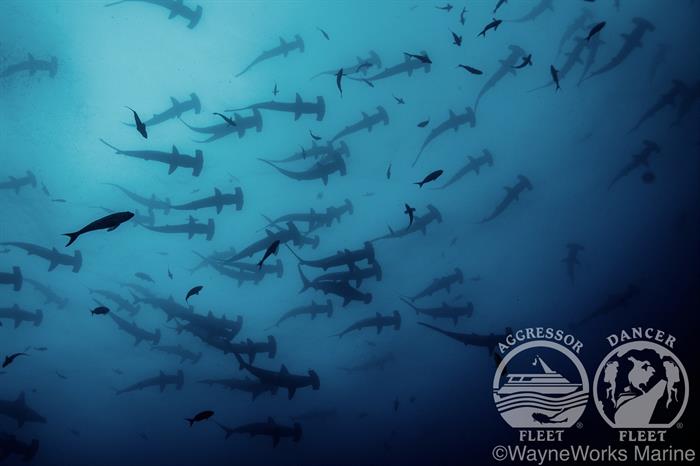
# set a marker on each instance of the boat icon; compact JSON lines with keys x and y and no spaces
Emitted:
{"x":546,"y":382}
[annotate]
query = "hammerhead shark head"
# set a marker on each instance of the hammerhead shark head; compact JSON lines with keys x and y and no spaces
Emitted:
{"x":173,"y":159}
{"x":161,"y":380}
{"x":283,"y":236}
{"x":313,"y":219}
{"x":254,"y":387}
{"x":281,"y":50}
{"x":472,"y":339}
{"x":420,"y":223}
{"x":453,"y":122}
{"x":298,"y":107}
{"x":667,"y":99}
{"x":52,"y":255}
{"x":536,"y":11}
{"x":632,"y":41}
{"x":593,"y":45}
{"x":512,"y":195}
{"x":218,"y":200}
{"x":342,"y":258}
{"x":32,"y":65}
{"x":179,"y":351}
{"x":439,"y":284}
{"x":121,"y":302}
{"x":613,"y":302}
{"x":191,"y":228}
{"x":312,"y":309}
{"x":135,"y":331}
{"x":638,"y":160}
{"x":176,"y":7}
{"x":320,"y":170}
{"x":353,"y":274}
{"x":516,"y":53}
{"x":362,"y":66}
{"x":51,"y":296}
{"x":474,"y":165}
{"x":224,"y":129}
{"x":13,"y":278}
{"x":9,"y":444}
{"x":408,"y":66}
{"x":571,"y":259}
{"x":176,"y":110}
{"x":378,"y":321}
{"x":16,"y":183}
{"x":374,"y":363}
{"x":367,"y":122}
{"x":20,"y":411}
{"x":283,"y":378}
{"x":444,"y":311}
{"x":269,"y":428}
{"x":152,"y":203}
{"x":18,"y":315}
{"x":316,"y":151}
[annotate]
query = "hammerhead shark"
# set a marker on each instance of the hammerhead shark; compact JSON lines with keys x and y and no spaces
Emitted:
{"x":151,"y":203}
{"x":218,"y":200}
{"x":512,"y":195}
{"x":121,"y":302}
{"x":19,"y":411}
{"x":315,"y":151}
{"x":667,"y":99}
{"x":571,"y":259}
{"x":18,"y":315}
{"x":367,"y":122}
{"x":353,"y":274}
{"x":593,"y":45}
{"x":298,"y":107}
{"x":638,"y":160}
{"x":50,"y":295}
{"x":135,"y":331}
{"x":408,"y":66}
{"x":32,"y":65}
{"x":283,"y":378}
{"x":161,"y":380}
{"x":243,"y":272}
{"x":420,"y":223}
{"x":378,"y":321}
{"x":361,"y":66}
{"x":312,"y":309}
{"x":444,"y":311}
{"x":9,"y":444}
{"x":576,"y":25}
{"x":439,"y":284}
{"x":453,"y":122}
{"x":472,"y":339}
{"x":224,"y":129}
{"x":379,"y":362}
{"x":688,"y":99}
{"x":248,"y":347}
{"x":346,"y":258}
{"x":176,"y":7}
{"x":173,"y":159}
{"x":320,"y":170}
{"x":572,"y":58}
{"x":13,"y":278}
{"x":342,"y":289}
{"x":52,"y":255}
{"x":191,"y":228}
{"x":516,"y":53}
{"x":536,"y":11}
{"x":183,"y":353}
{"x":612,"y":303}
{"x":254,"y":387}
{"x":281,"y":50}
{"x":283,"y":236}
{"x":313,"y":219}
{"x":632,"y":41}
{"x":269,"y":429}
{"x":16,"y":183}
{"x":474,"y":165}
{"x":176,"y":110}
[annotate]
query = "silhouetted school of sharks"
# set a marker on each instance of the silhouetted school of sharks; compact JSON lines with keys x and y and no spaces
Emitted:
{"x":343,"y":287}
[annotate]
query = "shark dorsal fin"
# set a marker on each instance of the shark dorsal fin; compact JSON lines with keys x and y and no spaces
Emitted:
{"x":175,"y":151}
{"x":174,"y":101}
{"x":191,"y":220}
{"x":217,"y":192}
{"x":452,"y":114}
{"x":270,"y":420}
{"x":282,"y":41}
{"x":30,"y":57}
{"x":20,"y":399}
{"x":283,"y":370}
{"x":378,"y":315}
{"x":297,"y":98}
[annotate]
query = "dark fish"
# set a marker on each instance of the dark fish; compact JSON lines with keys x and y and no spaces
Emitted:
{"x":388,"y":172}
{"x":325,"y":34}
{"x":314,"y":137}
{"x":194,"y":291}
{"x":424,"y":123}
{"x":409,"y":211}
{"x":201,"y":416}
{"x":431,"y":177}
{"x":595,"y":30}
{"x":109,"y":223}
{"x":492,"y":25}
{"x":140,"y":127}
{"x":456,"y":39}
{"x":498,"y":5}
{"x":170,"y":274}
{"x":144,"y":276}
{"x":470,"y":69}
{"x":446,"y":8}
{"x":527,"y":61}
{"x":61,"y":376}
{"x":338,"y":79}
{"x":100,"y":311}
{"x":10,"y":359}
{"x":648,"y":177}
{"x":275,"y":91}
{"x":461,"y":15}
{"x":555,"y":76}
{"x":422,"y":58}
{"x":228,"y":120}
{"x":271,"y":249}
{"x":62,"y":201}
{"x":398,"y":100}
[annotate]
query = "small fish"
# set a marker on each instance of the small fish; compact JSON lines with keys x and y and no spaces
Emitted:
{"x":424,"y":123}
{"x":492,"y":25}
{"x":338,"y":81}
{"x":118,"y":371}
{"x":314,"y":137}
{"x":40,"y":348}
{"x":422,"y":58}
{"x":194,"y":291}
{"x":275,"y":91}
{"x":648,"y":177}
{"x":396,"y":404}
{"x":471,"y":69}
{"x":527,"y":61}
{"x":446,"y":8}
{"x":10,"y":359}
{"x":462,"y":19}
{"x":498,"y":5}
{"x":388,"y":172}
{"x":170,"y":274}
{"x":62,"y":201}
{"x":61,"y":376}
{"x":100,"y":311}
{"x":555,"y":76}
{"x":271,"y":249}
{"x":409,"y":211}
{"x":228,"y":120}
{"x":201,"y":416}
{"x":431,"y":177}
{"x":325,"y":34}
{"x":140,"y":126}
{"x":144,"y":276}
{"x":456,"y":39}
{"x":45,"y":190}
{"x":595,"y":30}
{"x":399,"y":100}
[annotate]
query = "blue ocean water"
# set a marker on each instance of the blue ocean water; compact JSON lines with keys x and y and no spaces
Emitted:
{"x":570,"y":144}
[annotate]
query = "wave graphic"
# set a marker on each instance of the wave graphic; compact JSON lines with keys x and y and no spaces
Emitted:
{"x":541,"y":402}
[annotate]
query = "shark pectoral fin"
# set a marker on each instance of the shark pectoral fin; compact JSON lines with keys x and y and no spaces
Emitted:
{"x":162,"y":387}
{"x":172,"y":168}
{"x":276,"y":438}
{"x":379,"y":329}
{"x":17,"y":323}
{"x":52,"y":265}
{"x":292,"y":391}
{"x":190,"y":234}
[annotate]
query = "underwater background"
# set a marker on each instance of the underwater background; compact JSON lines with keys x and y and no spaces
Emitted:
{"x":432,"y":403}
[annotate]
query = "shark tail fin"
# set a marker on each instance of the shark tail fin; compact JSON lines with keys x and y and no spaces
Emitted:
{"x":305,"y":281}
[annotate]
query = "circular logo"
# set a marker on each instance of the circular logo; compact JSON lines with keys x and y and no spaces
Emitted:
{"x":641,"y":384}
{"x":540,"y":384}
